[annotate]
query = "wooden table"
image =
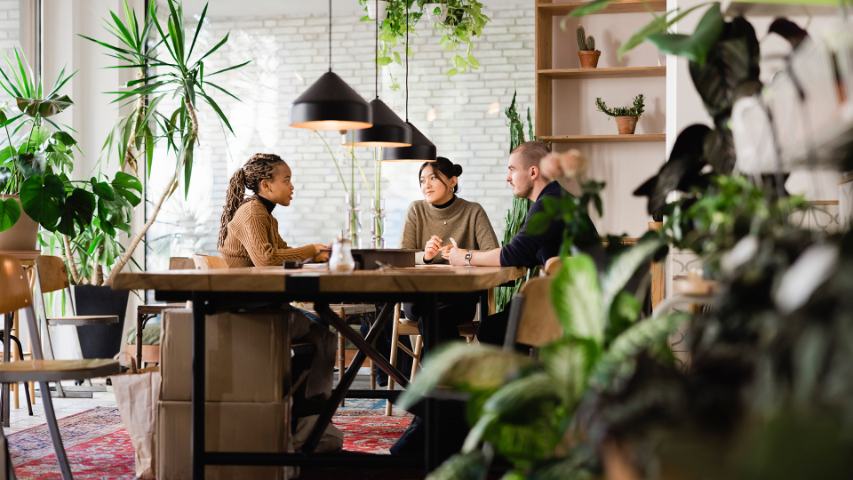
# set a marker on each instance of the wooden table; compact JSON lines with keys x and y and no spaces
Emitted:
{"x":220,"y":290}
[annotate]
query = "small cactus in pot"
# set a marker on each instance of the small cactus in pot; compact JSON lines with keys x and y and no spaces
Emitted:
{"x":626,"y":117}
{"x":587,"y":53}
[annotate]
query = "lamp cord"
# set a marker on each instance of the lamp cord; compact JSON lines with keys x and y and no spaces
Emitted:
{"x":407,"y":61}
{"x":330,"y":35}
{"x":376,"y":48}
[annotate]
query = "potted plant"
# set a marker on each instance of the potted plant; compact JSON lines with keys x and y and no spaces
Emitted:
{"x":459,"y":22}
{"x":587,"y":54}
{"x":626,"y":117}
{"x":179,"y":75}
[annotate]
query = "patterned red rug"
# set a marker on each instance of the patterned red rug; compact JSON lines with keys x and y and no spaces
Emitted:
{"x":98,"y":446}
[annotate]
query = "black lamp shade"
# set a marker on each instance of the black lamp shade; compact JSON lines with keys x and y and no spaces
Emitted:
{"x":330,"y":104}
{"x":388,"y":129}
{"x":421,"y":150}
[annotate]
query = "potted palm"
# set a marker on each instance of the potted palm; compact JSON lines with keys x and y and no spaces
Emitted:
{"x":626,"y":117}
{"x":174,"y":71}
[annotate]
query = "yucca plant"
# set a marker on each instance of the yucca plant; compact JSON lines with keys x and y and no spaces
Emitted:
{"x":178,"y":74}
{"x":523,"y":409}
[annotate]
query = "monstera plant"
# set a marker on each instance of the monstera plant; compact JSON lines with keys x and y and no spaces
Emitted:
{"x":37,"y":159}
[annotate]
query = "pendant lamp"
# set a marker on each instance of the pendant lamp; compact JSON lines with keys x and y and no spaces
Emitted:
{"x":388,"y":129}
{"x":329,"y":103}
{"x":421,"y":150}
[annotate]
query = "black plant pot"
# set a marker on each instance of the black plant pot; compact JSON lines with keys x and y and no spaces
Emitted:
{"x":100,"y":341}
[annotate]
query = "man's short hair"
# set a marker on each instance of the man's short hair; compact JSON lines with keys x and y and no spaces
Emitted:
{"x":532,"y":152}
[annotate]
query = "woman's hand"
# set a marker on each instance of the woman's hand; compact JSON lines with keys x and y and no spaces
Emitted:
{"x":322,"y":253}
{"x":432,"y":248}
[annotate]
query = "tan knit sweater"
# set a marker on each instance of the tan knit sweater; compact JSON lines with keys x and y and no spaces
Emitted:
{"x":465,"y":221}
{"x":253,"y":240}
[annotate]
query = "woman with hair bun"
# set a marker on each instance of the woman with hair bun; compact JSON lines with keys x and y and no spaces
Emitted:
{"x":433,"y":225}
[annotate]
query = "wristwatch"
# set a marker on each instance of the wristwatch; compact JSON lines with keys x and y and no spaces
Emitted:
{"x":468,"y":256}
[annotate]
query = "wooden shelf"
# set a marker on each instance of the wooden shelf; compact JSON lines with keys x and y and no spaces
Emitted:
{"x":780,"y":8}
{"x":603,"y":72}
{"x":618,"y":6}
{"x":638,"y":137}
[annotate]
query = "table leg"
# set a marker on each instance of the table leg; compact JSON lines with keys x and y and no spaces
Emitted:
{"x":7,"y":326}
{"x":340,"y":391}
{"x":197,"y":396}
{"x":432,"y":420}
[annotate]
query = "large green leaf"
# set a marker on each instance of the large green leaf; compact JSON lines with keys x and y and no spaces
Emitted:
{"x":42,"y":198}
{"x":694,"y":47}
{"x":576,"y":296}
{"x":569,"y":362}
{"x":733,"y":61}
{"x":10,"y":212}
{"x":619,"y":360}
{"x":128,"y":187}
{"x":464,"y":367}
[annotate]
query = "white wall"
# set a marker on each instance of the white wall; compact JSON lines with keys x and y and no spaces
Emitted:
{"x":463,"y":116}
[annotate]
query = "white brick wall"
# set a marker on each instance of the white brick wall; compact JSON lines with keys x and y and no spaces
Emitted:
{"x":463,"y":115}
{"x":9,"y":34}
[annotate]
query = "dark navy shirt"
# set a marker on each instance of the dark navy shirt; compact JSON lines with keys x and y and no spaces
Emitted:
{"x":526,"y":250}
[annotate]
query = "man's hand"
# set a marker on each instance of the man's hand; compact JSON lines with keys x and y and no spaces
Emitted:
{"x":456,"y":256}
{"x":432,"y":248}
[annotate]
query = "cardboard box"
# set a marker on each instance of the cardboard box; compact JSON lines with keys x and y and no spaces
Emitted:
{"x":245,"y":427}
{"x":247,"y":357}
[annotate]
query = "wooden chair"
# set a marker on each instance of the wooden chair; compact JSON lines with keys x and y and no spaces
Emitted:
{"x":208,"y":262}
{"x":532,"y":319}
{"x":53,"y":276}
{"x":403,"y":326}
{"x":144,"y":313}
{"x":15,"y":296}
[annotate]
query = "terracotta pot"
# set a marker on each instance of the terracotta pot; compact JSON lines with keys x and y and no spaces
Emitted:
{"x":626,"y":125}
{"x":23,"y":234}
{"x":589,"y":58}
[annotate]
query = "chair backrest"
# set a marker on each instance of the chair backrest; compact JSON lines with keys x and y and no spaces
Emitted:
{"x":52,"y":273}
{"x":552,"y":266}
{"x":208,"y":262}
{"x":532,"y":319}
{"x":181,"y":263}
{"x":15,"y":293}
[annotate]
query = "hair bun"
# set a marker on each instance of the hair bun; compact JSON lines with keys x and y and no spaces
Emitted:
{"x":457,"y":170}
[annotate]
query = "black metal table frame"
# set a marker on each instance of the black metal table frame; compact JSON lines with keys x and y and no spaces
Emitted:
{"x":305,"y":289}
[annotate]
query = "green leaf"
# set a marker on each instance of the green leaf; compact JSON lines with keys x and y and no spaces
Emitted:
{"x":128,"y":187}
{"x":623,"y":267}
{"x":577,"y":299}
{"x":42,"y":198}
{"x":660,"y":24}
{"x":696,"y":46}
{"x":64,"y":138}
{"x":462,"y":466}
{"x":103,"y":190}
{"x":618,"y":362}
{"x":623,"y":313}
{"x":10,"y":212}
{"x":463,"y":367}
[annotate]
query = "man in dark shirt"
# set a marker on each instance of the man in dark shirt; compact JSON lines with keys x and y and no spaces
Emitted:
{"x":525,"y":249}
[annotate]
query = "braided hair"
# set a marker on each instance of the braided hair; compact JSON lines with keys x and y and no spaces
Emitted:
{"x":260,"y":166}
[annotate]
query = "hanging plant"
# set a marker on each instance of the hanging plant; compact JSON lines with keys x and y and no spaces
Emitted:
{"x":458,"y":21}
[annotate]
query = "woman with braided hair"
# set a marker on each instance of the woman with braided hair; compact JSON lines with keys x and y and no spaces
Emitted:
{"x":248,"y":236}
{"x":248,"y":233}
